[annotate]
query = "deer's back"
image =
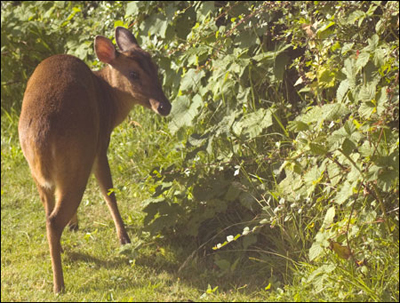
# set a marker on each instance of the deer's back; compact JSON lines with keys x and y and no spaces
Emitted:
{"x":59,"y":120}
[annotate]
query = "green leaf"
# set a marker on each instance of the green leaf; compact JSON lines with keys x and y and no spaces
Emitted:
{"x":342,"y":90}
{"x":247,"y":200}
{"x":350,"y":71}
{"x":251,"y":125}
{"x":132,"y":8}
{"x":223,"y":264}
{"x":313,"y":115}
{"x":334,"y":111}
{"x":326,"y":77}
{"x":349,"y":127}
{"x":191,"y":79}
{"x":387,"y":177}
{"x":347,"y":47}
{"x":246,"y":39}
{"x":297,"y":126}
{"x":354,"y":16}
{"x":280,"y":65}
{"x":380,"y":56}
{"x":382,"y":98}
{"x":329,"y":216}
{"x":335,"y":173}
{"x":183,"y":112}
{"x":322,"y":29}
{"x":362,"y":60}
{"x":348,"y":146}
{"x":372,"y":43}
{"x":367,"y":92}
{"x":366,"y":109}
{"x":346,"y":191}
{"x":249,"y":240}
{"x":318,"y":149}
{"x":232,"y":193}
{"x":315,"y":251}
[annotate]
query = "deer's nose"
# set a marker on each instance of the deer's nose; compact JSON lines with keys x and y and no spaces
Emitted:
{"x":164,"y":109}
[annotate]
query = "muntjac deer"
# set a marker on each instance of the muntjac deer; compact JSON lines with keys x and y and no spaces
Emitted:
{"x":68,"y":114}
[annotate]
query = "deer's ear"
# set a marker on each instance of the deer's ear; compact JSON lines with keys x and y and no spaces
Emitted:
{"x":104,"y":49}
{"x":125,"y":39}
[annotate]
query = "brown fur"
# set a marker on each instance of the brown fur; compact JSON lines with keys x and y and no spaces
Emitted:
{"x":68,"y":114}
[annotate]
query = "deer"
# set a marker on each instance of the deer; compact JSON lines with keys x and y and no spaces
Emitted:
{"x":67,"y":116}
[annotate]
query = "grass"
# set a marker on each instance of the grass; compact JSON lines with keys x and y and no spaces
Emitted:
{"x":95,"y":267}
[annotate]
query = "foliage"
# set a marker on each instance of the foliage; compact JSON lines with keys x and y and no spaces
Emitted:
{"x":283,"y":138}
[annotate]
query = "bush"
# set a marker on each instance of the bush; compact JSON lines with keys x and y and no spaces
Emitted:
{"x":283,"y":144}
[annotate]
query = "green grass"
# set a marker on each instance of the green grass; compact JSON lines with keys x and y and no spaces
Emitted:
{"x":95,"y":267}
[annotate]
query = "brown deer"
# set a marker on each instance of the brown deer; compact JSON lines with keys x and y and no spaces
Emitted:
{"x":68,"y":114}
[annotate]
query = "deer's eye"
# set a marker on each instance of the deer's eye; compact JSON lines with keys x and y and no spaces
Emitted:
{"x":133,"y":75}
